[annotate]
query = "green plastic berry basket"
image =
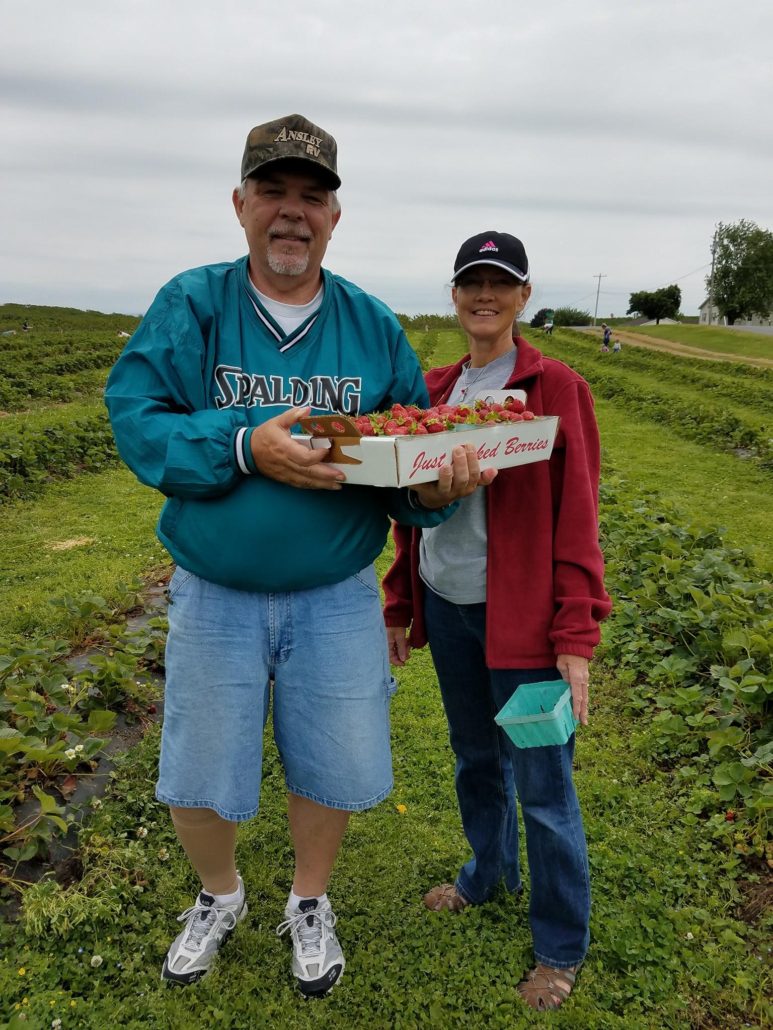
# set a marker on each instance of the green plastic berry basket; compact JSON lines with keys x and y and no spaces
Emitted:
{"x":538,"y":714}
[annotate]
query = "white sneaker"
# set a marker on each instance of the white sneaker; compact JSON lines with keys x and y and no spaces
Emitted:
{"x":318,"y":961}
{"x":207,"y":926}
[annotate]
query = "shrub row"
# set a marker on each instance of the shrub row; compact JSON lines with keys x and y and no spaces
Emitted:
{"x":691,"y":635}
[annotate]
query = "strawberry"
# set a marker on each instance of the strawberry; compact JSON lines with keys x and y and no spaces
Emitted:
{"x":405,"y":420}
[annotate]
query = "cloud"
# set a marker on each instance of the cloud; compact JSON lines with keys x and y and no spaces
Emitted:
{"x":612,"y":137}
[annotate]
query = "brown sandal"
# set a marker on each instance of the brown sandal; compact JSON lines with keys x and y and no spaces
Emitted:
{"x":546,"y":987}
{"x":445,"y":896}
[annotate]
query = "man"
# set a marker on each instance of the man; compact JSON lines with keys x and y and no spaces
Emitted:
{"x":274,"y":579}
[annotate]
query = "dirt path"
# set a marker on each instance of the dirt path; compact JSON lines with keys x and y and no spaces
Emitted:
{"x":681,"y":349}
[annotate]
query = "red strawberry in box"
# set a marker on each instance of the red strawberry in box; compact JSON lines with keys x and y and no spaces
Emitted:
{"x":407,"y":444}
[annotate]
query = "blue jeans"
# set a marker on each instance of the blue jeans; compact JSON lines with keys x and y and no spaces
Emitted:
{"x":325,"y":651}
{"x":489,"y":771}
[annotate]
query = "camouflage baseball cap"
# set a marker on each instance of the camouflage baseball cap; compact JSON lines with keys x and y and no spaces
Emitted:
{"x":292,"y":137}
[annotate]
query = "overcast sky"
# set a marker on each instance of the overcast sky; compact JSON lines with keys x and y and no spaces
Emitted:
{"x":610,"y":137}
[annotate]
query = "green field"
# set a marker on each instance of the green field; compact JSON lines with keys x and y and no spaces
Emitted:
{"x":713,"y":338}
{"x":680,"y":735}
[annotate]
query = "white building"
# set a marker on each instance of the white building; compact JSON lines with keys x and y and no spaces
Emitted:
{"x":717,"y":319}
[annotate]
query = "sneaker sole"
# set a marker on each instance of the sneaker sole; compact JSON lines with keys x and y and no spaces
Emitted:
{"x":324,"y":984}
{"x":188,"y":979}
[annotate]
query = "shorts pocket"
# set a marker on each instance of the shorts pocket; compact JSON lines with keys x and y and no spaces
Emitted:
{"x":367,"y":578}
{"x":179,"y":578}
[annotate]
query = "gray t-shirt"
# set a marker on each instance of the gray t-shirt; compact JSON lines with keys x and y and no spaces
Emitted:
{"x":452,"y":556}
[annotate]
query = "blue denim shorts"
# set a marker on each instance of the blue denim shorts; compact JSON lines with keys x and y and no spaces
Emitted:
{"x":325,"y":652}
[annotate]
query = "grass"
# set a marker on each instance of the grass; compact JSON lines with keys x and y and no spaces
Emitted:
{"x":90,"y":533}
{"x":668,"y":949}
{"x":713,"y":338}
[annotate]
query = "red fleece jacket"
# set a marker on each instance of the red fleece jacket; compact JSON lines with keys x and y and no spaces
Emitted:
{"x":545,"y":590}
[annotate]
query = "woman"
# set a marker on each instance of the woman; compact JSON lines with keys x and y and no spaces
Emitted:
{"x":510,"y":591}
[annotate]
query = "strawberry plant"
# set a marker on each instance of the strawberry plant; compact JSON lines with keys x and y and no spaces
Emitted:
{"x":692,"y":636}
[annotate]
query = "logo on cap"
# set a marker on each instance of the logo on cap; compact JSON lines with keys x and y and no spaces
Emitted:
{"x":488,"y":247}
{"x":289,"y":135}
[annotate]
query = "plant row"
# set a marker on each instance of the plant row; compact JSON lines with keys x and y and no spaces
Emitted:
{"x":31,"y":454}
{"x":44,"y":318}
{"x":53,"y":373}
{"x":716,"y":424}
{"x":691,"y":635}
{"x":53,"y":716}
{"x":753,"y":388}
{"x":738,"y":369}
{"x":20,"y":394}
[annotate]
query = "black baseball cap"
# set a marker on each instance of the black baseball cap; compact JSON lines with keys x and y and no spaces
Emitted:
{"x":295,"y":138}
{"x":493,"y":248}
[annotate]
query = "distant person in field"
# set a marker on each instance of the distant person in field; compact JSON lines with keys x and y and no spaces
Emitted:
{"x":26,"y":326}
{"x":275,"y":583}
{"x":616,"y":347}
{"x":550,"y":315}
{"x":607,"y":333}
{"x":508,"y":592}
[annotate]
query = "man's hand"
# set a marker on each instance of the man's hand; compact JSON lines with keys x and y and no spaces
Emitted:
{"x":459,"y":479}
{"x":574,"y":670}
{"x":399,"y":648}
{"x":279,"y":457}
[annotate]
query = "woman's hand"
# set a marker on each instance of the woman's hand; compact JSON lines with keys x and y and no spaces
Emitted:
{"x":399,"y":648}
{"x":459,"y":479}
{"x":574,"y":670}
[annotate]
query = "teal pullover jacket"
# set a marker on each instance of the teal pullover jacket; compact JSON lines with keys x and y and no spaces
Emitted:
{"x":207,"y":364}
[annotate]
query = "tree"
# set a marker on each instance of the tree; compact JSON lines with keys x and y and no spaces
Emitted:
{"x":571,"y":316}
{"x":539,"y":319}
{"x":657,"y":304}
{"x":743,"y":270}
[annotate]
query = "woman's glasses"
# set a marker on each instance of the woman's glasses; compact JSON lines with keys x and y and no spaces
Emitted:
{"x":496,"y":283}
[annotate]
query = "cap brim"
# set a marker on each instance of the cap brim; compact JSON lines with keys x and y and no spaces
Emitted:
{"x":325,"y":175}
{"x":516,"y":273}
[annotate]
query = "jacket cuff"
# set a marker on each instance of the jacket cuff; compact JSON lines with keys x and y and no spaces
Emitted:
{"x":242,"y":452}
{"x":397,"y":620}
{"x":572,"y":647}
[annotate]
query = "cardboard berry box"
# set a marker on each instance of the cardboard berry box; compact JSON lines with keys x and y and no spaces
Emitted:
{"x":406,"y":460}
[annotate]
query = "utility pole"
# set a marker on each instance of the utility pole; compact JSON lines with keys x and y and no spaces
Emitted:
{"x":600,"y":276}
{"x":711,"y":278}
